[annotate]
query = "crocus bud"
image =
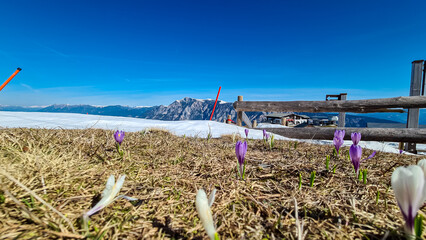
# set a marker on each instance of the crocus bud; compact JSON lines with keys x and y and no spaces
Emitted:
{"x":240,"y":151}
{"x":338,"y":139}
{"x":339,"y":134}
{"x":355,"y":152}
{"x":408,"y":186}
{"x":356,"y":137}
{"x":422,"y":164}
{"x":205,"y":213}
{"x":338,"y":142}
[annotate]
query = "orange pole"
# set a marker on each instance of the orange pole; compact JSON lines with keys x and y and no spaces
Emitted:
{"x":215,"y":103}
{"x":10,"y":78}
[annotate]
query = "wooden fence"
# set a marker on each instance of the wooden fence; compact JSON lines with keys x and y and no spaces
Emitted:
{"x":412,"y":134}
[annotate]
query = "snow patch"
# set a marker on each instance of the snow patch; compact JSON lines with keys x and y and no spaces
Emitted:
{"x":193,"y":128}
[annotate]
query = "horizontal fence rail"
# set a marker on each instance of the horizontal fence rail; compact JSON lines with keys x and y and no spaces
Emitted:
{"x":368,"y":134}
{"x":411,"y":135}
{"x":356,"y":106}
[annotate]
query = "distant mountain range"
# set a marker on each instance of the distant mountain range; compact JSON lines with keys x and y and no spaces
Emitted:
{"x":196,"y":109}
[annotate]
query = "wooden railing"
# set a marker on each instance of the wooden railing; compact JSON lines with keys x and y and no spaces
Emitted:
{"x":396,"y":104}
{"x":356,"y":106}
{"x":412,"y":134}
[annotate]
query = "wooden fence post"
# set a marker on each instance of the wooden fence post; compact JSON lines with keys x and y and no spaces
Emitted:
{"x":246,"y":120}
{"x":415,"y":90}
{"x":254,"y":124}
{"x":342,"y":115}
{"x":229,"y":121}
{"x":401,"y":146}
{"x":240,"y":113}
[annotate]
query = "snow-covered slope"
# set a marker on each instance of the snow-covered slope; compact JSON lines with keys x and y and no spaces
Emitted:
{"x":195,"y":128}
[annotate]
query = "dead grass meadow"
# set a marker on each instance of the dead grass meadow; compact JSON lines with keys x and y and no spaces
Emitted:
{"x":68,"y":169}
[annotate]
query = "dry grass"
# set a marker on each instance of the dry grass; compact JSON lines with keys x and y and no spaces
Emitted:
{"x":68,"y":169}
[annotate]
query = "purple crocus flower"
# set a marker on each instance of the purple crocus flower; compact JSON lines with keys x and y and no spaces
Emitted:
{"x":339,"y":134}
{"x":401,"y":151}
{"x":338,"y":142}
{"x":246,"y":131}
{"x":355,"y":137}
{"x":240,"y":151}
{"x":119,"y":136}
{"x":355,"y":152}
{"x":338,"y":139}
{"x":267,"y":137}
{"x":264,"y":133}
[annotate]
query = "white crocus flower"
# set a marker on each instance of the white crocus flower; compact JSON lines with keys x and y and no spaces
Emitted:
{"x":112,"y":188}
{"x":408,"y":186}
{"x":422,"y":164}
{"x":205,"y":213}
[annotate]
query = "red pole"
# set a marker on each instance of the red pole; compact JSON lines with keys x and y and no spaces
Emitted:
{"x":214,"y":107}
{"x":10,"y":78}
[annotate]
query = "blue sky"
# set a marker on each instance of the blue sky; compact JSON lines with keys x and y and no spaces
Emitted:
{"x":144,"y":53}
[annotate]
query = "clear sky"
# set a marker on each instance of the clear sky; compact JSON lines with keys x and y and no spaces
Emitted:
{"x":144,"y":53}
